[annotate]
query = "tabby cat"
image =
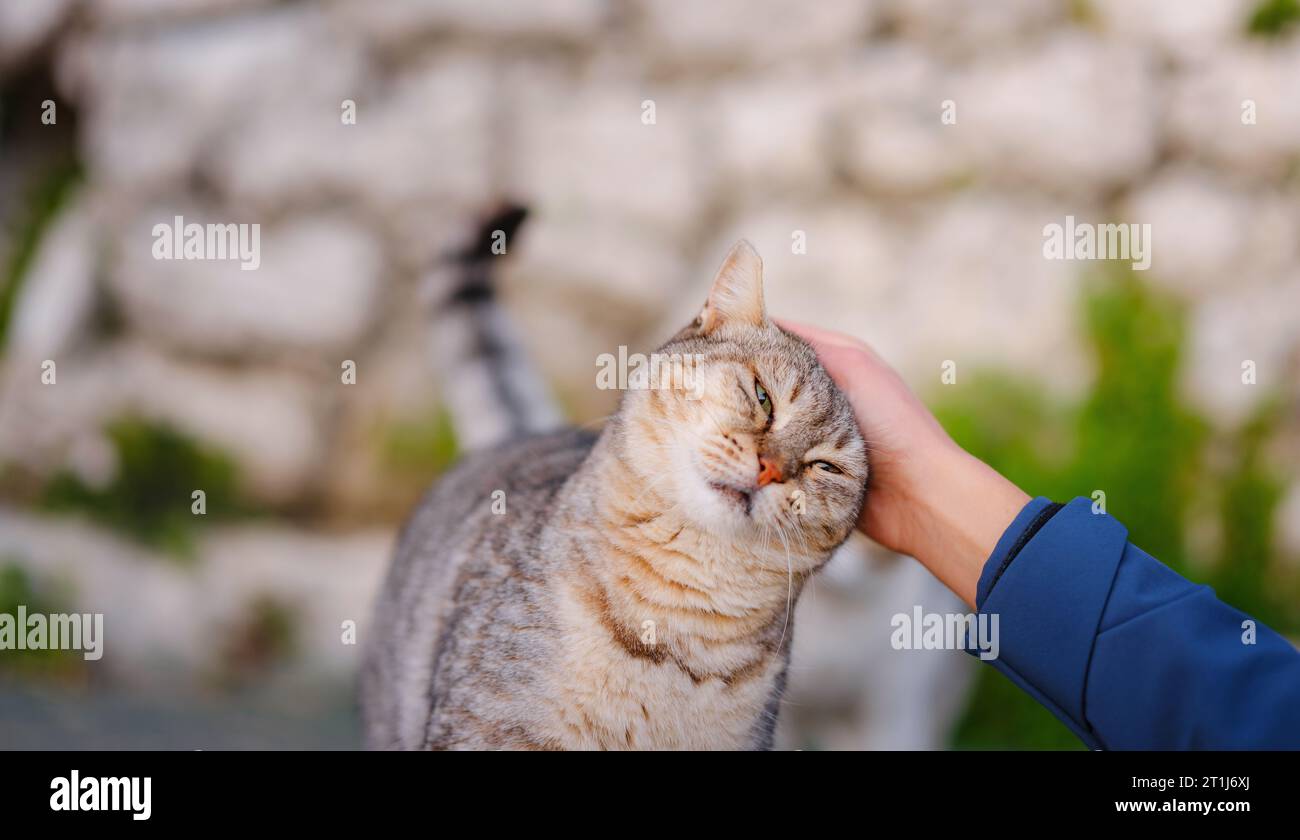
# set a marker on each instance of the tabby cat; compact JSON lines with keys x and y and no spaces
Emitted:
{"x":631,"y":589}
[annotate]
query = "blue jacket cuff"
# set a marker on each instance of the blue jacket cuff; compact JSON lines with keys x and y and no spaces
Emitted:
{"x":1002,"y":553}
{"x":1051,"y":597}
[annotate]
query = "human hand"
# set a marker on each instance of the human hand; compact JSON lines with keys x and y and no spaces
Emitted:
{"x":926,"y":496}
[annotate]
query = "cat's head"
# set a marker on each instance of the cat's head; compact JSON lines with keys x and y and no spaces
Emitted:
{"x":748,"y":434}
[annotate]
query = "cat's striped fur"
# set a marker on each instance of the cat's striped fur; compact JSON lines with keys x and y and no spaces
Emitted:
{"x":488,"y":384}
{"x":637,"y":590}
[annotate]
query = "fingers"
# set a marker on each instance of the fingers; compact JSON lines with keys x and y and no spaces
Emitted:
{"x":817,"y":335}
{"x":824,"y":341}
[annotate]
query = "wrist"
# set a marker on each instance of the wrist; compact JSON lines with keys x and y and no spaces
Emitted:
{"x":961,"y":508}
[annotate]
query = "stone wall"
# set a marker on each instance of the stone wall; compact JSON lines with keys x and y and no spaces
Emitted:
{"x":770,"y":118}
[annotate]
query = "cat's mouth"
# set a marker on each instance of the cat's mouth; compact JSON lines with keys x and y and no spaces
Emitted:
{"x":737,"y":497}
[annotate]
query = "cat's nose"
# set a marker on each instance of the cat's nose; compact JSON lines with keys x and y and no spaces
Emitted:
{"x":768,"y":472}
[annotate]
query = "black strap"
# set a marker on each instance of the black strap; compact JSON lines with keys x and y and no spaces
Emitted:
{"x":1025,"y":536}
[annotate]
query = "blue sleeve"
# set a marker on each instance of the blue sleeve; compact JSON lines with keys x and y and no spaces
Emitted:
{"x":1126,"y":652}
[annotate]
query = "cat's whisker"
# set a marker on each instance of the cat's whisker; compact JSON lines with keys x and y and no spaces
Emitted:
{"x":797,"y":524}
{"x":789,"y":593}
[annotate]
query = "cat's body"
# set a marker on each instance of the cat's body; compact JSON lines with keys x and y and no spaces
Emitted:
{"x":518,"y":631}
{"x":632,"y":589}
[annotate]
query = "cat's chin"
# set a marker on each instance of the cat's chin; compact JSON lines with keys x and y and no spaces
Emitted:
{"x":738,"y":499}
{"x":718,"y":506}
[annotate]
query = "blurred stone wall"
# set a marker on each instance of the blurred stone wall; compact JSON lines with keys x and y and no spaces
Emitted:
{"x":769,"y":119}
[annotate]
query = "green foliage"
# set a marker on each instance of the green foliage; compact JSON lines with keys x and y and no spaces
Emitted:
{"x":426,"y":446}
{"x":1002,"y":717}
{"x":1273,"y":17}
{"x":1012,"y":421}
{"x":1252,"y":491}
{"x":150,"y":496}
{"x":16,"y":588}
{"x":1134,"y":438}
{"x":47,"y":195}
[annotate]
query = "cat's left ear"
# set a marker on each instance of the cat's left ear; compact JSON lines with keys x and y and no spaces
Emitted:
{"x":737,"y":293}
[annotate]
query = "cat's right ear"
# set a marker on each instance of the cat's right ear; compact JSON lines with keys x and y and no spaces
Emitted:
{"x":737,"y":293}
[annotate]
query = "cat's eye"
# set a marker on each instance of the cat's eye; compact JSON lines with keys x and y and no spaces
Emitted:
{"x":764,"y":401}
{"x":827,"y":466}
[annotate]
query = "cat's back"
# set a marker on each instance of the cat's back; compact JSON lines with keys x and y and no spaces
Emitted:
{"x":518,"y":477}
{"x":463,"y":560}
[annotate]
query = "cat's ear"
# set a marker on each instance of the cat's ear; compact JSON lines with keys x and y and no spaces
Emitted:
{"x":737,"y":293}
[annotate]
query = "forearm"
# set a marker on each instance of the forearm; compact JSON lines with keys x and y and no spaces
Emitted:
{"x":959,"y":507}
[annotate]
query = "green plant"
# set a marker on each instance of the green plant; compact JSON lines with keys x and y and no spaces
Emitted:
{"x":1252,"y":490}
{"x":426,"y":446}
{"x":17,"y":589}
{"x":150,"y":496}
{"x":48,"y":193}
{"x":1134,"y":438}
{"x":1273,"y":17}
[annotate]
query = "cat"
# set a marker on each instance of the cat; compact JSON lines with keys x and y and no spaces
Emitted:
{"x":627,"y":589}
